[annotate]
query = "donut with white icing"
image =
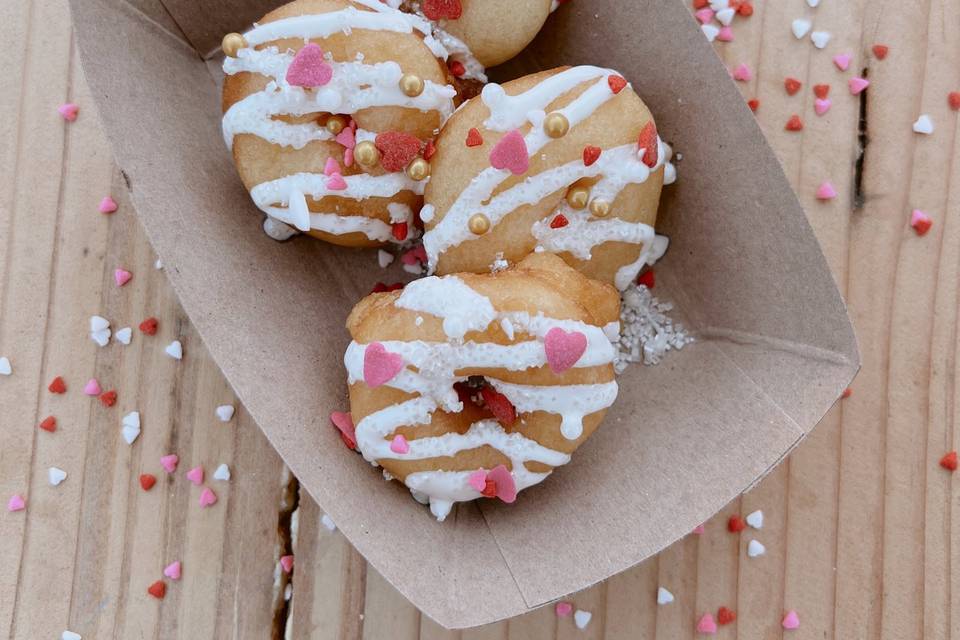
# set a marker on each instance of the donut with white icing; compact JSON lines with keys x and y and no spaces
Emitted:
{"x":468,"y":386}
{"x":566,"y":161}
{"x":313,"y":85}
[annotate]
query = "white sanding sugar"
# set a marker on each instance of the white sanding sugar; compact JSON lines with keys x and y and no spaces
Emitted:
{"x":646,"y":332}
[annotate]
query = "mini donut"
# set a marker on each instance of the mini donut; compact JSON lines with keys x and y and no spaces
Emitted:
{"x":327,"y":108}
{"x":472,"y":385}
{"x":566,"y":161}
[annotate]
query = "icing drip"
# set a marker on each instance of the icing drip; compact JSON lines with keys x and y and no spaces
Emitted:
{"x":430,"y":372}
{"x":618,"y":167}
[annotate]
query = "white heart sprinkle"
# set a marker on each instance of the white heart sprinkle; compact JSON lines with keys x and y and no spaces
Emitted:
{"x":725,"y":16}
{"x":98,"y":323}
{"x":70,"y":635}
{"x":755,"y":549}
{"x":384,"y":258}
{"x":5,"y":368}
{"x":719,"y":5}
{"x":820,"y":38}
{"x":56,"y":476}
{"x":755,"y":519}
{"x":130,"y":434}
{"x":813,"y":3}
{"x":711,"y":31}
{"x":800,"y":27}
{"x":123,"y":335}
{"x":664,"y":596}
{"x":158,"y":265}
{"x":132,"y":419}
{"x":175,"y":350}
{"x":326,"y":521}
{"x":101,"y":337}
{"x":222,"y":473}
{"x":581,"y":618}
{"x":923,"y":125}
{"x":225,"y":412}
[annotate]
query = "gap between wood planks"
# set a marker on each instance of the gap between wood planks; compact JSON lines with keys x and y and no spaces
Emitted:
{"x":286,"y":542}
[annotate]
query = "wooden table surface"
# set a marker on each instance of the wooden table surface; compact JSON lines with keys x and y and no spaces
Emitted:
{"x":858,"y":521}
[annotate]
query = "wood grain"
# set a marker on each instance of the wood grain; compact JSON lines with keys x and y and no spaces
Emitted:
{"x":858,"y":521}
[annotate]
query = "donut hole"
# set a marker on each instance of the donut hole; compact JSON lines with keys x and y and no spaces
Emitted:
{"x":478,"y":391}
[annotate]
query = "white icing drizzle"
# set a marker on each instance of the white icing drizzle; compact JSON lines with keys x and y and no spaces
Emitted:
{"x":618,"y":167}
{"x":354,"y":86}
{"x":462,"y":309}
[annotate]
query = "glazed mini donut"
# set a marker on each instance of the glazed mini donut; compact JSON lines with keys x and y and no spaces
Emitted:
{"x":566,"y":161}
{"x":327,"y":106}
{"x":471,"y":385}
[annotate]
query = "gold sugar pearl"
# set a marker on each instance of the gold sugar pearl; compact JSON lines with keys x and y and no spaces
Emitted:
{"x":556,"y":125}
{"x":336,"y":124}
{"x":232,"y":43}
{"x":577,"y":197}
{"x":412,"y":85}
{"x":479,"y":224}
{"x":366,"y":154}
{"x":419,"y":169}
{"x":600,"y":208}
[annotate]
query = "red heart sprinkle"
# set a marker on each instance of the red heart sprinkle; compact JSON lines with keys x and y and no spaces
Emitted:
{"x":442,"y":9}
{"x":158,"y":589}
{"x":617,"y":83}
{"x":147,"y":480}
{"x":954,"y":100}
{"x":591,"y":154}
{"x":456,"y":68}
{"x":429,"y":150}
{"x":498,"y":404}
{"x":149,"y":326}
{"x":821,"y":91}
{"x":846,"y":393}
{"x":794,"y":123}
{"x":648,"y":142}
{"x":397,"y":149}
{"x":949,"y":461}
{"x":754,"y":104}
{"x":745,"y":9}
{"x":735,"y":524}
{"x":725,"y":616}
{"x":474,"y":139}
{"x":647,"y":279}
{"x":400,"y":231}
{"x":58,"y":385}
{"x":49,"y":424}
{"x":880,"y":51}
{"x":109,"y":398}
{"x":700,"y":4}
{"x":792,"y":85}
{"x":559,"y":221}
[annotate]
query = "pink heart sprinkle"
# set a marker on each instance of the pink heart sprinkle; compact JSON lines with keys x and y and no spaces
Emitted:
{"x":563,"y":348}
{"x":791,"y":620}
{"x":503,"y":479}
{"x":92,"y":388}
{"x":68,"y":111}
{"x":707,"y":624}
{"x":17,"y":503}
{"x":287,"y":563}
{"x":348,"y":157}
{"x":379,"y":365}
{"x":173,"y":570}
{"x":920,"y":221}
{"x":826,"y":191}
{"x":842,"y":60}
{"x":704,"y":15}
{"x":857,"y":85}
{"x":347,"y":138}
{"x":308,"y":68}
{"x":195,"y":475}
{"x":331,"y":167}
{"x":400,"y":445}
{"x":207,"y":498}
{"x":336,"y":182}
{"x":822,"y":105}
{"x":121,"y":276}
{"x":511,"y":153}
{"x":742,"y":73}
{"x":478,"y":480}
{"x":344,"y":423}
{"x":725,"y":35}
{"x":169,"y":463}
{"x":699,"y":530}
{"x":107,"y":205}
{"x":563,"y":609}
{"x":416,"y":255}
